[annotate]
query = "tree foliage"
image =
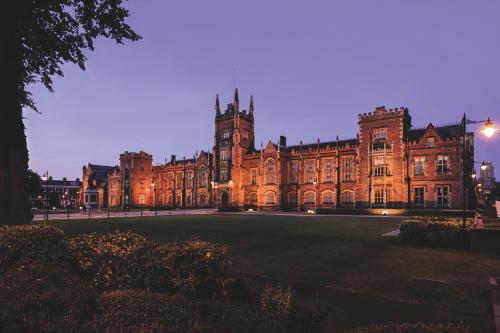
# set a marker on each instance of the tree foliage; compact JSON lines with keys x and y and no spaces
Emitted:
{"x":36,"y":38}
{"x":53,"y":32}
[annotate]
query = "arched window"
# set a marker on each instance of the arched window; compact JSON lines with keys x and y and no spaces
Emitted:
{"x":202,"y":199}
{"x":270,"y":171}
{"x":347,"y":197}
{"x":292,"y":197}
{"x":270,"y":198}
{"x":188,"y":200}
{"x":309,"y":197}
{"x":327,"y":197}
{"x":202,"y":176}
{"x":253,"y":198}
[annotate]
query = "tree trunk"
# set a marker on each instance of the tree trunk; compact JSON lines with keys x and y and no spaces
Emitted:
{"x":14,"y":200}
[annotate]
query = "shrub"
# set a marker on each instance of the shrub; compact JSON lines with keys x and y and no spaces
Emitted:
{"x":276,"y":303}
{"x":100,"y":256}
{"x":143,"y":311}
{"x":432,"y":233}
{"x":31,"y":244}
{"x":191,"y":267}
{"x":44,"y":298}
{"x":281,"y":312}
{"x":414,"y":328}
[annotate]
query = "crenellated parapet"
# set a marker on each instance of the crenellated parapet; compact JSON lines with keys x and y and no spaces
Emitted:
{"x":382,"y":113}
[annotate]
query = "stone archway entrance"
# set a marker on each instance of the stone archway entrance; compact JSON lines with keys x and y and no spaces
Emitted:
{"x":224,"y":198}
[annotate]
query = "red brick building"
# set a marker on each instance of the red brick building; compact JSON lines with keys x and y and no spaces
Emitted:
{"x":388,"y":164}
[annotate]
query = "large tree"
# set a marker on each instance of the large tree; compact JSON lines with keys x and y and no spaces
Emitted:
{"x":36,"y":38}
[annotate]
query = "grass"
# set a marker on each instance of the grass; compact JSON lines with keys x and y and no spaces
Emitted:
{"x":344,"y":252}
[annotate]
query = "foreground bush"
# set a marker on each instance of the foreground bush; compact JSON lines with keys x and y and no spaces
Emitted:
{"x":44,"y":298}
{"x":414,"y":328}
{"x":430,"y":233}
{"x":194,"y":268}
{"x":144,"y":311}
{"x":100,"y":256}
{"x":32,"y":244}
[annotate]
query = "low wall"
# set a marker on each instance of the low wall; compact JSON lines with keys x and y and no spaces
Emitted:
{"x":485,"y":241}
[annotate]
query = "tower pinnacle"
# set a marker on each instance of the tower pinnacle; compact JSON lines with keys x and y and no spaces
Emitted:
{"x":236,"y":100}
{"x":217,"y":105}
{"x":250,"y":109}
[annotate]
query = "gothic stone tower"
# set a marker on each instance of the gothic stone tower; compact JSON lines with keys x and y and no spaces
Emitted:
{"x":234,"y":136}
{"x":137,"y":176}
{"x":382,"y":158}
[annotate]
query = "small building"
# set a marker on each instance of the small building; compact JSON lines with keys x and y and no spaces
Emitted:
{"x":94,"y":186}
{"x":59,"y":193}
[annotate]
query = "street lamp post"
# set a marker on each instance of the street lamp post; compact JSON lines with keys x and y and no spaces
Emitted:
{"x":153,"y":193}
{"x":315,"y":182}
{"x":488,"y":130}
{"x":45,"y":178}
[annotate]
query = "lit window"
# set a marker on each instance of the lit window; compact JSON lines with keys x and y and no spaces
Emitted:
{"x":310,"y":171}
{"x":347,"y":169}
{"x":419,"y":166}
{"x":271,"y":172}
{"x":190,"y":179}
{"x":430,"y":142}
{"x":418,"y":196}
{"x":327,"y":197}
{"x":347,"y":197}
{"x":203,"y":199}
{"x":380,"y":133}
{"x":270,"y":198}
{"x":442,"y":164}
{"x":309,"y":197}
{"x":328,"y":170}
{"x":379,"y":196}
{"x":294,"y":172}
{"x":254,"y":176}
{"x":178,"y":180}
{"x":442,"y":196}
{"x":202,"y":176}
{"x":253,"y":198}
{"x":379,"y":166}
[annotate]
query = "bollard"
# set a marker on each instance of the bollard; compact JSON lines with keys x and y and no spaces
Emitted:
{"x":89,"y":212}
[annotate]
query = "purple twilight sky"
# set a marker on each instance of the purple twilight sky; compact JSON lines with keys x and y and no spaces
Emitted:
{"x":312,"y":66}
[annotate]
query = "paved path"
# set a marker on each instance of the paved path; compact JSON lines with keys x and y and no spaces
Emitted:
{"x":95,"y":214}
{"x":101,"y":214}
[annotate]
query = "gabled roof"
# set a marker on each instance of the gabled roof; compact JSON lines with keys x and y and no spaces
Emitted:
{"x":101,"y":172}
{"x":333,"y":144}
{"x":445,"y":132}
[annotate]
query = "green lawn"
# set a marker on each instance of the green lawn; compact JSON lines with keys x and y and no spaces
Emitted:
{"x":344,"y":252}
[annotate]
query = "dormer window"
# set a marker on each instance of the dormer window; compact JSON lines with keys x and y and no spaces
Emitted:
{"x":380,"y":133}
{"x":430,"y":142}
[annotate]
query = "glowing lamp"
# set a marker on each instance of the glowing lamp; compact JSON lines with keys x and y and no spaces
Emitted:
{"x":489,"y":128}
{"x":484,"y":166}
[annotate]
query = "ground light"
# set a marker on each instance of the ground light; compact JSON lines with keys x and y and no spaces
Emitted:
{"x":385,"y":212}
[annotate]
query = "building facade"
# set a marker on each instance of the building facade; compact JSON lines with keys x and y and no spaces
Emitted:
{"x":388,"y":164}
{"x":58,"y":193}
